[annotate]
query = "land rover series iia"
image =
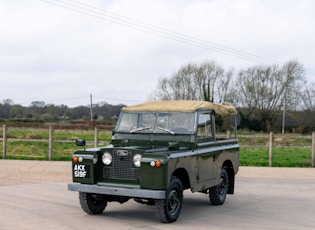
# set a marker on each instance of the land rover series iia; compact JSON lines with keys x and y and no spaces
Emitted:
{"x":158,"y":150}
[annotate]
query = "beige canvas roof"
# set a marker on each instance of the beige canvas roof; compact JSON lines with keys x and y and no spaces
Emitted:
{"x":182,"y":106}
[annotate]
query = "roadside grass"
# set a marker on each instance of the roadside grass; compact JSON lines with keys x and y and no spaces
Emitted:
{"x":31,"y":144}
{"x":288,"y":150}
{"x":282,"y":156}
{"x":58,"y":134}
{"x":260,"y":140}
{"x":27,"y":150}
{"x":62,"y":151}
{"x":249,"y":156}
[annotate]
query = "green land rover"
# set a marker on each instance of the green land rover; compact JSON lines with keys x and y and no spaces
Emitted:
{"x":158,"y":150}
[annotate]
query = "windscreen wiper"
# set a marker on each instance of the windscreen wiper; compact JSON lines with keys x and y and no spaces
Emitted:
{"x":166,"y":130}
{"x":140,"y":129}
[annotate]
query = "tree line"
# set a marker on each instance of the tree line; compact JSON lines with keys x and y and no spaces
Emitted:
{"x":39,"y":111}
{"x":268,"y":97}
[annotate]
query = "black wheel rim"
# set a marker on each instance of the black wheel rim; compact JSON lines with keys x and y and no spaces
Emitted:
{"x":173,"y":202}
{"x":222,"y":186}
{"x":97,"y":202}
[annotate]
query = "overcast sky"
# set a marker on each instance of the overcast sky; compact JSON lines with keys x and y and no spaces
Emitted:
{"x":117,"y":50}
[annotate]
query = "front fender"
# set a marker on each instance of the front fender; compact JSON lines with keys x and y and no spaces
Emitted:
{"x":153,"y":177}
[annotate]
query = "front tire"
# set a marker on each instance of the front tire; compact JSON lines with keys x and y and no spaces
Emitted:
{"x":218,"y":193}
{"x":168,"y":210}
{"x":91,"y":203}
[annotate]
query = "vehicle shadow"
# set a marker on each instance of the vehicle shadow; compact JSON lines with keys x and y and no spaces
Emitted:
{"x":193,"y":206}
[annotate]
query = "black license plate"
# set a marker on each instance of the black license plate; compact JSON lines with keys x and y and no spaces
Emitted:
{"x":81,"y":171}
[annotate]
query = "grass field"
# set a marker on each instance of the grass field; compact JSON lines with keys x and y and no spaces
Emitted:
{"x":289,"y":151}
{"x":282,"y":156}
{"x":28,"y":144}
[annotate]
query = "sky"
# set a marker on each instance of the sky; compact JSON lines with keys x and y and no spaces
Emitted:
{"x":63,"y":51}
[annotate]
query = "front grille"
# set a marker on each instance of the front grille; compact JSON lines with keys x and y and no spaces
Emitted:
{"x":121,"y":168}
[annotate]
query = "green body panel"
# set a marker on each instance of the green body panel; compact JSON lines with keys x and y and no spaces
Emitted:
{"x":196,"y":160}
{"x":153,"y":177}
{"x":84,"y":172}
{"x":202,"y":165}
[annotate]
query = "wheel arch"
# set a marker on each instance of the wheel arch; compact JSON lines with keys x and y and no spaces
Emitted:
{"x":182,"y":174}
{"x":228,"y":165}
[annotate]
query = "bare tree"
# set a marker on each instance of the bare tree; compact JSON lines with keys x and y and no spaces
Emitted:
{"x":262,"y":89}
{"x":38,"y":104}
{"x":5,"y":108}
{"x":308,"y":97}
{"x":293,"y":89}
{"x":183,"y":85}
{"x":307,"y":105}
{"x":207,"y":81}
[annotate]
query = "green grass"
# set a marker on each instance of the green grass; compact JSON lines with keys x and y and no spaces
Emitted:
{"x":249,"y":156}
{"x":38,"y":150}
{"x":264,"y":141}
{"x":58,"y":134}
{"x":282,"y":157}
{"x":289,"y":151}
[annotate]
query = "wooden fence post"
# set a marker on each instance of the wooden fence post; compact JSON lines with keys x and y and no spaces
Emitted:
{"x":4,"y":134}
{"x":95,"y":137}
{"x":313,"y":149}
{"x":270,"y":149}
{"x":50,"y":145}
{"x":228,"y":134}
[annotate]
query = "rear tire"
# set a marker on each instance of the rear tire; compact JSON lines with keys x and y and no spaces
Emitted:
{"x":168,"y":210}
{"x":218,"y":193}
{"x":92,"y":204}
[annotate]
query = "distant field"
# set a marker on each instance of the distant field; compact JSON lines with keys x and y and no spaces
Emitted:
{"x":282,"y":156}
{"x":289,"y":150}
{"x":33,"y":143}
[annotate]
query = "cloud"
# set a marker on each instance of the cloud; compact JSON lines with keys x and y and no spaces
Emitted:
{"x":54,"y":54}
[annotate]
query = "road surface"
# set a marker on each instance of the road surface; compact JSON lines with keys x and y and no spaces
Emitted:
{"x":34,"y":196}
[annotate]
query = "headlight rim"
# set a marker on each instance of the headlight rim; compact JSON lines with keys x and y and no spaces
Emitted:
{"x":137,"y":160}
{"x":107,"y":158}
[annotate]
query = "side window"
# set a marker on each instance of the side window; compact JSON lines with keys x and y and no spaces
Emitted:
{"x":204,"y":128}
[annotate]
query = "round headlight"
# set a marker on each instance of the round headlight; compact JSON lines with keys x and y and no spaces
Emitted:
{"x":107,"y":159}
{"x":137,"y":160}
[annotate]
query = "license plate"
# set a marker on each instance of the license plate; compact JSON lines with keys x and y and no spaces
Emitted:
{"x":81,"y":171}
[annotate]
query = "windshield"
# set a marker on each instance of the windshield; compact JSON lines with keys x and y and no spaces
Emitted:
{"x":156,"y":122}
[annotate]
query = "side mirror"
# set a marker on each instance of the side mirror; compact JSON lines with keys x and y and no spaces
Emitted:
{"x":80,"y":142}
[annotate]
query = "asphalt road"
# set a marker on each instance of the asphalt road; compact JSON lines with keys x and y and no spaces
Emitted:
{"x":34,"y":196}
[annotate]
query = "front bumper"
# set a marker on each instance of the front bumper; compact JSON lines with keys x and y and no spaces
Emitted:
{"x":117,"y":191}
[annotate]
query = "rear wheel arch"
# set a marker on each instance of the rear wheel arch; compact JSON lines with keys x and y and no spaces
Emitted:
{"x":228,"y":165}
{"x":218,"y":192}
